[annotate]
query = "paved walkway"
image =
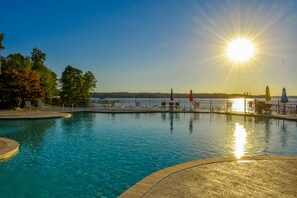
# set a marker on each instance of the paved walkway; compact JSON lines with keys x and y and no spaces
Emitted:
{"x":31,"y":114}
{"x":225,"y":177}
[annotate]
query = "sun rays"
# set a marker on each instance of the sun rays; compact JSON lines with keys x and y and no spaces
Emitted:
{"x":252,"y":26}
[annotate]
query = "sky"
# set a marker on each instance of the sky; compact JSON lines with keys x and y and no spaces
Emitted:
{"x":156,"y":45}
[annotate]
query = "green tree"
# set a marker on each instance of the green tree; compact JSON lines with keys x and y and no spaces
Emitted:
{"x":1,"y":49}
{"x":25,"y":78}
{"x":48,"y":79}
{"x":89,"y":84}
{"x":37,"y":57}
{"x":1,"y":40}
{"x":18,"y":62}
{"x":76,"y":86}
{"x":71,"y":81}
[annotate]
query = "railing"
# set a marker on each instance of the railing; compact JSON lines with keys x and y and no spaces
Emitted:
{"x":69,"y":107}
{"x":74,"y":105}
{"x":65,"y":106}
{"x":239,"y":105}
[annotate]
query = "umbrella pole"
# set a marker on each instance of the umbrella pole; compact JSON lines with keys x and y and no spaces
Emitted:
{"x":255,"y":105}
{"x":244,"y":105}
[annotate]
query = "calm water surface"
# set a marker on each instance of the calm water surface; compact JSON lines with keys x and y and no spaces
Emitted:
{"x":101,"y":155}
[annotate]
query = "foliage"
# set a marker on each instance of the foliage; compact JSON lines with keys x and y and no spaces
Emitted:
{"x":70,"y":84}
{"x":1,"y":39}
{"x":18,"y":61}
{"x":75,"y":85}
{"x":89,"y":84}
{"x":37,"y":57}
{"x":17,"y":86}
{"x":48,"y":79}
{"x":26,"y":78}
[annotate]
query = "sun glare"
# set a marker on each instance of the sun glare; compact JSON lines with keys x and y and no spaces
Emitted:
{"x":240,"y":140}
{"x":240,"y":50}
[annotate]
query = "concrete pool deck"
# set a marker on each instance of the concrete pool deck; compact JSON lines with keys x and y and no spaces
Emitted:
{"x":31,"y":114}
{"x":260,"y":176}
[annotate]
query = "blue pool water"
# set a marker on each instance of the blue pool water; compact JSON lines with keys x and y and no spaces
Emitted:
{"x":101,"y":155}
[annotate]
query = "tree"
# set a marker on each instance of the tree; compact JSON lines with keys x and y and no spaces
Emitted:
{"x":89,"y":84}
{"x":38,"y":58}
{"x":25,"y":78}
{"x":18,"y":62}
{"x":48,"y":79}
{"x":1,"y":40}
{"x":49,"y":83}
{"x":1,"y":49}
{"x":75,"y":85}
{"x":17,"y":86}
{"x":71,"y":81}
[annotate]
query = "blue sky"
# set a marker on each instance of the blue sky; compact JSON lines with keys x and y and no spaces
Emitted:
{"x":155,"y":45}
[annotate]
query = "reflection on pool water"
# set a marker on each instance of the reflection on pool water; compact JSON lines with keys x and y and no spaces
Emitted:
{"x":240,"y":140}
{"x":237,"y":105}
{"x":97,"y":155}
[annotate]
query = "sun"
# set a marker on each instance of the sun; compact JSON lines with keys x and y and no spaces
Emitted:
{"x":240,"y":50}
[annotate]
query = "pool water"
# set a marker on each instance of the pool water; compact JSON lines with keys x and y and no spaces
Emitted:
{"x":102,"y":155}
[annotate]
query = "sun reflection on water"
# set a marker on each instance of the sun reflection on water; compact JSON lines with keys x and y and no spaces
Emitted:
{"x":240,"y":140}
{"x":237,"y":104}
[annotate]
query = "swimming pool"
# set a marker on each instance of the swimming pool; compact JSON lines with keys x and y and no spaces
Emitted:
{"x":101,"y":155}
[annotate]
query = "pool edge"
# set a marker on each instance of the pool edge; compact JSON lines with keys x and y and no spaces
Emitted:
{"x":11,"y":149}
{"x":146,"y":184}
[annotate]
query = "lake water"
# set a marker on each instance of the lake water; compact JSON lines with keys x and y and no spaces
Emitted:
{"x":102,"y":155}
{"x":216,"y":104}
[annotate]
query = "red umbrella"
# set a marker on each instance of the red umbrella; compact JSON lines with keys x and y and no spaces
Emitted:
{"x":191,"y":96}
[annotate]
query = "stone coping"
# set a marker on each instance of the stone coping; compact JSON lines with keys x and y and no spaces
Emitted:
{"x":31,"y":114}
{"x":8,"y":148}
{"x":149,"y":183}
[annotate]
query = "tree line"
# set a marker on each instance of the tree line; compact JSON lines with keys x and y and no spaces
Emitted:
{"x":27,"y":78}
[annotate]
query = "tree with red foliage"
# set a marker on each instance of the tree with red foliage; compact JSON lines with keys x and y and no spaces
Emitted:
{"x":19,"y":86}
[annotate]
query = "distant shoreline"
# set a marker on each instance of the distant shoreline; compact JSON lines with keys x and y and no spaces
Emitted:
{"x":176,"y":95}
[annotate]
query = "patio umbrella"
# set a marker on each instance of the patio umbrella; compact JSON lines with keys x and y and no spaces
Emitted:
{"x":191,"y":96}
{"x":267,"y":94}
{"x":284,"y":98}
{"x":171,"y":95}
